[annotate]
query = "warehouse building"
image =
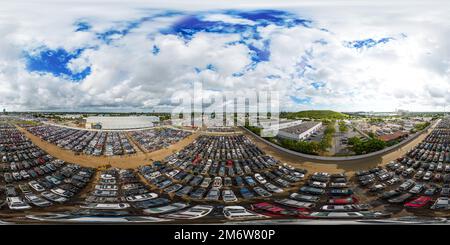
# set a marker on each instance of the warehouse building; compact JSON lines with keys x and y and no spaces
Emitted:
{"x":300,"y":131}
{"x":272,"y":127}
{"x":125,"y":122}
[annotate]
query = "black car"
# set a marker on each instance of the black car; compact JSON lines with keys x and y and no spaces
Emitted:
{"x":198,"y":194}
{"x":239,"y":181}
{"x":390,"y":194}
{"x":400,"y":199}
{"x":151,"y":203}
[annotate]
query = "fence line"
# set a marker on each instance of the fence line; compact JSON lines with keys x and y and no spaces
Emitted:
{"x":345,"y":158}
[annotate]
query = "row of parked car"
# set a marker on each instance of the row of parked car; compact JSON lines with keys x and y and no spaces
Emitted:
{"x":118,"y":189}
{"x":188,"y":175}
{"x":83,"y":141}
{"x":157,"y":138}
{"x":26,"y":162}
{"x":222,"y":148}
{"x":34,"y":178}
{"x":323,"y":196}
{"x":419,"y":179}
{"x":58,"y":187}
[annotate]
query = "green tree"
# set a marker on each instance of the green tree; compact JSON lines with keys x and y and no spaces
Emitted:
{"x":343,"y":126}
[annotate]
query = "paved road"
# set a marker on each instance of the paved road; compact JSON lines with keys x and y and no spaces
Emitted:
{"x":125,"y":161}
{"x":348,"y":166}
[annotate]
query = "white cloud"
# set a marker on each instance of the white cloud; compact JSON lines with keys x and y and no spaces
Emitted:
{"x":409,"y":72}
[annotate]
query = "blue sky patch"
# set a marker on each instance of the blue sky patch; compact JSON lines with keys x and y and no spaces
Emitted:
{"x":318,"y":85}
{"x":262,"y":54}
{"x":82,"y":26}
{"x":54,"y":61}
{"x":155,"y":50}
{"x":267,"y":16}
{"x":273,"y":77}
{"x":127,"y":26}
{"x":210,"y":67}
{"x":321,"y":41}
{"x":366,"y":43}
{"x":301,"y":101}
{"x":189,"y":26}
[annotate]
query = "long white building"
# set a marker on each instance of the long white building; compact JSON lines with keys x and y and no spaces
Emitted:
{"x":300,"y":131}
{"x":271,"y":128}
{"x":126,"y":122}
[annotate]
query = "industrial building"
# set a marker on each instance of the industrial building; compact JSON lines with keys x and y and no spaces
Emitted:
{"x":125,"y":122}
{"x":300,"y":131}
{"x":272,"y":127}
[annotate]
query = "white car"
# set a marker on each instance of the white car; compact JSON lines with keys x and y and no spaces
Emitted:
{"x":344,"y":208}
{"x":206,"y":182}
{"x":322,"y":174}
{"x":106,"y":187}
{"x":195,"y":212}
{"x":262,"y":192}
{"x":260,"y":179}
{"x":217,"y":183}
{"x":393,"y":181}
{"x":36,"y":186}
{"x":273,"y":188}
{"x":153,"y":175}
{"x":172,"y":173}
{"x":166,"y":209}
{"x":37,"y":201}
{"x":106,"y":206}
{"x":427,"y":175}
{"x":107,"y":176}
{"x":318,"y":184}
{"x":298,"y":174}
{"x":17,"y":203}
{"x":229,"y":196}
{"x":442,"y":203}
{"x":53,"y":197}
{"x":288,"y":166}
{"x":240,"y":213}
{"x":337,"y":215}
{"x":296,"y":204}
{"x":303,"y":197}
{"x":142,"y":197}
{"x":338,"y":185}
{"x":61,"y":192}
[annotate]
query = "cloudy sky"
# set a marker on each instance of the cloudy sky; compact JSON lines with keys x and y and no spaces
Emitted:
{"x":340,"y":55}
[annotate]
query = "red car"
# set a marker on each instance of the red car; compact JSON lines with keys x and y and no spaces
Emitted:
{"x":343,"y":201}
{"x":267,"y":207}
{"x":272,"y":210}
{"x":418,"y":202}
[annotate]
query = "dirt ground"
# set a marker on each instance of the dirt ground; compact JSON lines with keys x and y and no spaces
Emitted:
{"x":140,"y":158}
{"x":348,"y":166}
{"x":125,"y":161}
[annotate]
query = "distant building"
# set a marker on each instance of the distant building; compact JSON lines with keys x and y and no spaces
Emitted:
{"x":125,"y":122}
{"x":71,"y":116}
{"x":300,"y":131}
{"x":394,"y":136}
{"x":272,"y":127}
{"x":96,"y":126}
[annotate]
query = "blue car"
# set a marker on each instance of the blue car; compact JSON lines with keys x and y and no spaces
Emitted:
{"x":239,"y":181}
{"x":249,"y":181}
{"x":246,"y":193}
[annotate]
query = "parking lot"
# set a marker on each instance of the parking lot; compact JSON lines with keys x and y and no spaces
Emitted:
{"x":419,"y":181}
{"x":34,"y":179}
{"x":154,"y":139}
{"x":95,"y":143}
{"x":217,"y":178}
